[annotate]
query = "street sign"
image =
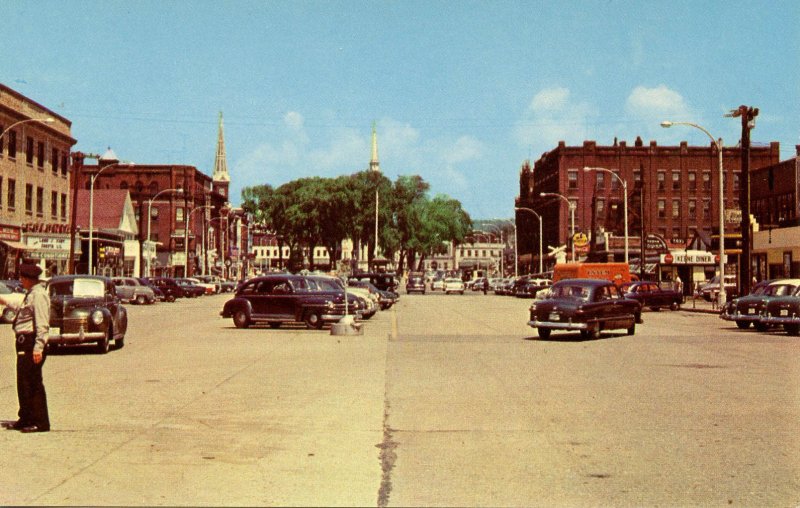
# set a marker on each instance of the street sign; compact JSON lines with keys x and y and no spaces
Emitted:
{"x":580,"y":240}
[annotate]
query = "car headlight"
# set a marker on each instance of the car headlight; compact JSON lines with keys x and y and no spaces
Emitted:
{"x":97,"y":317}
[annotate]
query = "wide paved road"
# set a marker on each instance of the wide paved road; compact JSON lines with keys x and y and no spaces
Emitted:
{"x":445,"y":401}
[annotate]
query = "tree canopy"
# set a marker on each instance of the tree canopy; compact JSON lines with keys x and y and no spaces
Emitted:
{"x":311,"y":212}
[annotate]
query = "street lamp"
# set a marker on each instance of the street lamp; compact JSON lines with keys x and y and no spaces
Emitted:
{"x":541,"y":266}
{"x":149,"y":216}
{"x":624,"y":202}
{"x":718,"y":143}
{"x":571,"y":206}
{"x":186,"y":239}
{"x":49,"y":119}
{"x":91,"y":210}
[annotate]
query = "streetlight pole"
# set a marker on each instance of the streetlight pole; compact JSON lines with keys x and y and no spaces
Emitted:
{"x":186,"y":239}
{"x":90,"y":269}
{"x":718,"y":143}
{"x":149,"y":216}
{"x":541,"y":264}
{"x":624,"y":202}
{"x":571,"y":206}
{"x":49,"y":119}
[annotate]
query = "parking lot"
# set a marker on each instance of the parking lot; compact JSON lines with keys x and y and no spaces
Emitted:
{"x":444,"y":401}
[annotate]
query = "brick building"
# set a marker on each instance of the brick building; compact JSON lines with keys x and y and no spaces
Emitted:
{"x":672,"y":193}
{"x":180,"y":194}
{"x":35,"y":176}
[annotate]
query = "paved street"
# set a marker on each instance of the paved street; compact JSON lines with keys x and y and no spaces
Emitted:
{"x":445,"y":401}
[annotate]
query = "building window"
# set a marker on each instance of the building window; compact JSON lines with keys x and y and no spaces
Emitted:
{"x":692,"y":181}
{"x":676,"y":234}
{"x":123,"y":185}
{"x":736,"y":182}
{"x":2,"y":139}
{"x":12,"y":194}
{"x":28,"y":199}
{"x":600,"y":179}
{"x":54,"y":205}
{"x":139,"y":186}
{"x":601,"y":208}
{"x":12,"y":144}
{"x":54,"y":160}
{"x":63,"y":207}
{"x":179,"y":214}
{"x":64,"y":164}
{"x":39,"y":202}
{"x":661,"y":179}
{"x":692,"y":209}
{"x":29,"y":150}
{"x":706,"y":181}
{"x":706,"y":208}
{"x":662,"y":206}
{"x":637,"y":179}
{"x":153,"y":188}
{"x":572,"y":178}
{"x":676,"y":180}
{"x":615,"y":181}
{"x":40,"y":154}
{"x":676,"y":208}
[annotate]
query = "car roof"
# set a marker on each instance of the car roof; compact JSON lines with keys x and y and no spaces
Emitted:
{"x":584,"y":282}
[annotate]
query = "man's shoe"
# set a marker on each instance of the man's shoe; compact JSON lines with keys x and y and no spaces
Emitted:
{"x":34,"y":428}
{"x":17,"y":425}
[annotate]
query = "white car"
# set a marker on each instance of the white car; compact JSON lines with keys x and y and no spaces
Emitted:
{"x":437,"y":284}
{"x":15,"y":298}
{"x":453,"y":285}
{"x":209,"y":287}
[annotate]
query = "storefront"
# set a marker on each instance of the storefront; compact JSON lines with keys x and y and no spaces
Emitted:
{"x":692,"y":266}
{"x":49,"y":250}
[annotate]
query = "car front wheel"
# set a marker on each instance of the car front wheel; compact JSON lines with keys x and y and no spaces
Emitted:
{"x":314,"y":320}
{"x":240,"y":319}
{"x":103,"y":344}
{"x":544,"y":333}
{"x":743,"y":325}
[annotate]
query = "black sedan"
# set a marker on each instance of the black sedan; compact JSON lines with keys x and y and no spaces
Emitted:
{"x":585,"y":305}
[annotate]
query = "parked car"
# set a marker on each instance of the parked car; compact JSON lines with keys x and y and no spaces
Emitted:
{"x":210,"y":287}
{"x":437,"y":284}
{"x":160,"y":296}
{"x":131,"y":290}
{"x":228,"y":286}
{"x":589,"y":306}
{"x":382,"y":281}
{"x":86,"y":309}
{"x":504,"y":287}
{"x":283,"y":298}
{"x":190,"y":288}
{"x":171,"y":289}
{"x":784,"y":311}
{"x":751,"y":308}
{"x":653,"y":295}
{"x":210,"y":279}
{"x":13,"y":293}
{"x":415,"y":284}
{"x":710,"y":289}
{"x":453,"y":285}
{"x":531,"y":287}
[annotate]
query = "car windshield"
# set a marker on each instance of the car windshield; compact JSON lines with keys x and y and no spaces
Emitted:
{"x":324,"y":285}
{"x":570,"y":291}
{"x":78,"y":287}
{"x":453,"y":281}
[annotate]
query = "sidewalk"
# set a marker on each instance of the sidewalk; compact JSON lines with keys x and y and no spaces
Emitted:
{"x":699,"y":305}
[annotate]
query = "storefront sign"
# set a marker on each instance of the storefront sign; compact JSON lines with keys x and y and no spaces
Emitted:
{"x":687,"y":258}
{"x":9,"y":233}
{"x":47,"y":247}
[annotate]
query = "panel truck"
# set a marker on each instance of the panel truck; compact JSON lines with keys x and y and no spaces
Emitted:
{"x":618,"y":273}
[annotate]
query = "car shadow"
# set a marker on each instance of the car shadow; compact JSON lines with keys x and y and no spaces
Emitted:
{"x":78,"y":349}
{"x":575,"y":337}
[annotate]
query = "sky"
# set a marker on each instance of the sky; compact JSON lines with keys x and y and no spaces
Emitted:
{"x":461,"y":92}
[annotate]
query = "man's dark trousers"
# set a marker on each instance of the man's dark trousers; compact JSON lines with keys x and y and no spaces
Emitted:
{"x":30,"y":387}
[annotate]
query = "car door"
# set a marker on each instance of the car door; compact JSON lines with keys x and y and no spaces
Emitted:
{"x":280,"y":300}
{"x":621,"y":310}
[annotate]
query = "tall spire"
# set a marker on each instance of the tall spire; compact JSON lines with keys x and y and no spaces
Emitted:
{"x":374,"y":164}
{"x":221,"y":163}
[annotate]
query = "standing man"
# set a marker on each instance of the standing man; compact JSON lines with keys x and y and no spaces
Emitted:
{"x":31,"y":327}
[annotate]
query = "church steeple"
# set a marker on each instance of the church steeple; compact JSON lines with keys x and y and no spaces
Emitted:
{"x":221,"y":179}
{"x":374,"y":164}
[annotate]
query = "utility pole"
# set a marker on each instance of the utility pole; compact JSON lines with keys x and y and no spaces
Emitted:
{"x":748,"y":115}
{"x":77,"y":168}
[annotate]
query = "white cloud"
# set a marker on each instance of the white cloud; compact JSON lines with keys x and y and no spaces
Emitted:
{"x":657,"y":102}
{"x":464,"y":149}
{"x":294,"y":120}
{"x":553,"y":116}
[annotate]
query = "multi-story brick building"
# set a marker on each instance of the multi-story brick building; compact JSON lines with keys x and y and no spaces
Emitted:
{"x":35,"y":176}
{"x":175,"y":196}
{"x":672,"y":192}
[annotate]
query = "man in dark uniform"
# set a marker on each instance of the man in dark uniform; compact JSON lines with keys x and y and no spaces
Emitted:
{"x":31,"y":327}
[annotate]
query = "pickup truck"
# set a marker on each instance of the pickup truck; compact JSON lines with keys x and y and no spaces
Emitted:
{"x":652,"y":295}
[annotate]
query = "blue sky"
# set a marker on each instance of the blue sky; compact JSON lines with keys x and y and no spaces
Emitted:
{"x":462,"y":91}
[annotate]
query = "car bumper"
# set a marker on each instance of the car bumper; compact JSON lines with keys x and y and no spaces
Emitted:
{"x":752,"y":318}
{"x":781,"y":320}
{"x":558,"y":325}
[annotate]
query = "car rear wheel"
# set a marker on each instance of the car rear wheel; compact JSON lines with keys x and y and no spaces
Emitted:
{"x":544,"y":333}
{"x":743,"y":325}
{"x":141,"y":299}
{"x":314,"y":320}
{"x":170,"y":298}
{"x":240,"y":319}
{"x":675,"y":306}
{"x":761,"y":327}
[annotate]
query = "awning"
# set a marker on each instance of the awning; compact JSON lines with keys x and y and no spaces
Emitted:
{"x":15,"y":245}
